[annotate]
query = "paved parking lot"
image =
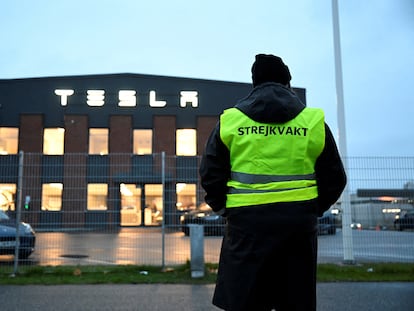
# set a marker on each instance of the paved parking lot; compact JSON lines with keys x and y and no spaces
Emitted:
{"x":154,"y":297}
{"x":147,"y":246}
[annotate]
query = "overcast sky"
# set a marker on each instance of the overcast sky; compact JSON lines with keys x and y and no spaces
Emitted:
{"x":218,"y":39}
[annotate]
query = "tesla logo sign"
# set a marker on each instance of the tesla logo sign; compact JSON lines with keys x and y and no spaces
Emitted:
{"x":127,"y":98}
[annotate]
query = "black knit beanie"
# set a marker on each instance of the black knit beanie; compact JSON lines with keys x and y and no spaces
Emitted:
{"x":270,"y":68}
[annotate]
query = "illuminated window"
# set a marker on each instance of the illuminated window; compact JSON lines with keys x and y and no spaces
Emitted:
{"x":8,"y":140}
{"x":143,"y":141}
{"x":7,"y":195}
{"x":52,"y":197}
{"x":98,"y":141}
{"x":186,"y":196}
{"x":186,"y":142}
{"x":53,"y":141}
{"x":153,"y":212}
{"x":97,"y":197}
{"x":131,"y":213}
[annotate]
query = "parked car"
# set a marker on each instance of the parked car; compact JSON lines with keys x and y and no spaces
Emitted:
{"x":404,"y":220}
{"x":214,"y":224}
{"x":8,"y":237}
{"x":327,"y":223}
{"x":203,"y":215}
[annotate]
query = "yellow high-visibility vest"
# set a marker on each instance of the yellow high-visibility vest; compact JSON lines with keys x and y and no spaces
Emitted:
{"x":272,"y":162}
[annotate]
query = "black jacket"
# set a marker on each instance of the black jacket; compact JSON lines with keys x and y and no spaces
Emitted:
{"x":270,"y":103}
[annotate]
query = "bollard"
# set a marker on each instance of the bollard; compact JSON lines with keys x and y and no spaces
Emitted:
{"x":197,"y":250}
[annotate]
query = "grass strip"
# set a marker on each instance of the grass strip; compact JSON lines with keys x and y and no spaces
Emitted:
{"x":131,"y":274}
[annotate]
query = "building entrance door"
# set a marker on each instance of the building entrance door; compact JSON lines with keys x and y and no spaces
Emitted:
{"x":141,"y":204}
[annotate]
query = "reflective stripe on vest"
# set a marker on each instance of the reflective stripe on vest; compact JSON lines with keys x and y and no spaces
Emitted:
{"x":272,"y":162}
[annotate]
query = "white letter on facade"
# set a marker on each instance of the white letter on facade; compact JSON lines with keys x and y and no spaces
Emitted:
{"x":127,"y":99}
{"x":64,"y":96}
{"x":155,"y":103}
{"x":189,"y":97}
{"x":95,"y":98}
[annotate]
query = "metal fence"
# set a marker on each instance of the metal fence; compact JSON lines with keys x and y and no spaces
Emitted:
{"x":127,"y":209}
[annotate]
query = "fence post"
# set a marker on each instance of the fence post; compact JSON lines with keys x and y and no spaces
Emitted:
{"x":18,"y":212}
{"x":163,"y":209}
{"x":197,"y":250}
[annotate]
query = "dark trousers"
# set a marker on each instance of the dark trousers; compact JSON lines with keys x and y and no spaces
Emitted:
{"x":267,"y":272}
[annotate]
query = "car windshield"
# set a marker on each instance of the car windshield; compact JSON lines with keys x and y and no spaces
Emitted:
{"x":3,"y":216}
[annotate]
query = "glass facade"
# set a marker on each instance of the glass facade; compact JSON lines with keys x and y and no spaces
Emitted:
{"x":8,"y":140}
{"x":142,"y":142}
{"x":52,"y":197}
{"x":53,"y":141}
{"x":97,"y":197}
{"x":186,"y":142}
{"x":98,"y":141}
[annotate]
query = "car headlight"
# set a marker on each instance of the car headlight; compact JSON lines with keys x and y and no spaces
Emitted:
{"x":182,"y":218}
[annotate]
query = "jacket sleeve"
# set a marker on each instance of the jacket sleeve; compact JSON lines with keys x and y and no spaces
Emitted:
{"x":215,"y":171}
{"x":330,"y":174}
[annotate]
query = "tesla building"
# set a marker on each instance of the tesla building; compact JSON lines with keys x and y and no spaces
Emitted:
{"x":94,"y":146}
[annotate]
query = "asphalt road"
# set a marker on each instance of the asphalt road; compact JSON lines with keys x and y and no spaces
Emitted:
{"x":331,"y":296}
{"x":144,"y":246}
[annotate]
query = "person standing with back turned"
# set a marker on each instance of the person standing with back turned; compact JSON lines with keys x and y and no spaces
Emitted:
{"x":271,"y":167}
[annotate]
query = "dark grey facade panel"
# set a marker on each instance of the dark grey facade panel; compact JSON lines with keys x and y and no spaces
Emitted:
{"x":37,"y":96}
